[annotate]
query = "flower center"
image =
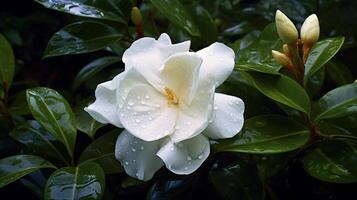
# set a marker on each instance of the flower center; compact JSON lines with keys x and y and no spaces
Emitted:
{"x":172,"y":99}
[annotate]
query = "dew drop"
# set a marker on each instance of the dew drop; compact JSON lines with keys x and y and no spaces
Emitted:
{"x":177,"y":127}
{"x":130,"y":103}
{"x":186,"y":168}
{"x":189,"y":158}
{"x":200,"y":156}
{"x":142,"y":147}
{"x":150,"y":118}
{"x":147,"y":97}
{"x":126,"y":163}
{"x":133,"y":149}
{"x":121,"y":114}
{"x":137,"y":120}
{"x":210,"y":53}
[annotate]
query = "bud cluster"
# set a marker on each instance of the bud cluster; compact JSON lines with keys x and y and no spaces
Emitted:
{"x":296,"y":49}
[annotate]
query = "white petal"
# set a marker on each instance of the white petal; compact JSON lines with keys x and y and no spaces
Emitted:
{"x":228,"y":117}
{"x":186,"y":156}
{"x":138,"y":157}
{"x":104,"y":109}
{"x":164,"y":39}
{"x":193,"y":119}
{"x":218,"y":60}
{"x":148,"y":54}
{"x":180,"y":73}
{"x":146,"y":115}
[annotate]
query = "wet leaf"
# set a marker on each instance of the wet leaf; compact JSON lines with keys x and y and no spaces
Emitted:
{"x":79,"y":37}
{"x":53,"y":112}
{"x":332,"y":161}
{"x":15,"y":167}
{"x":86,"y":181}
{"x":82,"y":8}
{"x":267,"y":134}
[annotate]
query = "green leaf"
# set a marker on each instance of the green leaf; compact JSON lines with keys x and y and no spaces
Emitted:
{"x":79,"y":37}
{"x":7,"y":62}
{"x":92,"y":68}
{"x":281,"y":89}
{"x":315,"y":82}
{"x":18,"y":105}
{"x":339,"y":126}
{"x":257,"y":56}
{"x":15,"y":167}
{"x":53,"y":112}
{"x":267,"y":134}
{"x":85,"y":122}
{"x":339,"y":102}
{"x":238,"y":180}
{"x":320,"y":54}
{"x":82,"y":8}
{"x":339,"y":73}
{"x":86,"y":181}
{"x":32,"y":135}
{"x":177,"y":14}
{"x":205,"y":24}
{"x":269,"y":165}
{"x":102,"y":151}
{"x":332,"y":161}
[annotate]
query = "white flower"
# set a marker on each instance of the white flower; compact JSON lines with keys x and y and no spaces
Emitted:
{"x":166,"y":101}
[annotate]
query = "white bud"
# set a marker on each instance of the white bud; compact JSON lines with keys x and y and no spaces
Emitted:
{"x":310,"y":30}
{"x":280,"y":58}
{"x":286,"y":29}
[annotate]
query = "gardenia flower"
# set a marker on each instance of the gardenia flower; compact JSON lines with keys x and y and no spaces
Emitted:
{"x":166,"y":101}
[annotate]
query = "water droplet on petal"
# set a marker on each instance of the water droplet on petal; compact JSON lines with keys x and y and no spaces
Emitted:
{"x":177,"y":127}
{"x":210,"y":53}
{"x":130,"y":103}
{"x":189,"y":158}
{"x":215,"y":108}
{"x":200,"y":156}
{"x":133,"y":149}
{"x":147,"y":97}
{"x":137,"y":120}
{"x":142,"y":147}
{"x":150,"y":118}
{"x":126,"y":163}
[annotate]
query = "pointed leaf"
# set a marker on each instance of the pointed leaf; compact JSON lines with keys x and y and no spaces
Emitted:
{"x":267,"y":134}
{"x":15,"y":167}
{"x":281,"y":89}
{"x":320,"y":54}
{"x":86,"y":181}
{"x":53,"y":112}
{"x":339,"y":102}
{"x":79,"y":37}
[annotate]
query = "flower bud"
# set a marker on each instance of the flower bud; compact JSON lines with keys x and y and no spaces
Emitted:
{"x":286,"y":29}
{"x":136,"y":16}
{"x":310,"y":30}
{"x":280,"y":58}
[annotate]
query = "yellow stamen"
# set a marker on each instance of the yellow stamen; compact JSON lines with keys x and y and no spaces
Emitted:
{"x":172,"y":99}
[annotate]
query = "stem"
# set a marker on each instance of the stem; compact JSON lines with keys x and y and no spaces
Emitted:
{"x":298,"y":64}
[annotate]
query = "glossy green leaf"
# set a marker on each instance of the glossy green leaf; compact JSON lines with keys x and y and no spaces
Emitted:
{"x":177,"y":14}
{"x":238,"y":180}
{"x":92,"y":68}
{"x":269,"y":165}
{"x":86,"y":181}
{"x":267,"y":134}
{"x":320,"y":54}
{"x":339,"y":73}
{"x":53,"y":112}
{"x":205,"y":24}
{"x":85,"y":122}
{"x":315,"y":82}
{"x":7,"y":61}
{"x":332,"y":161}
{"x":257,"y":56}
{"x":79,"y":37}
{"x":346,"y":125}
{"x":83,"y":8}
{"x":15,"y":167}
{"x":32,"y":135}
{"x":281,"y":89}
{"x":102,"y":151}
{"x":339,"y":102}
